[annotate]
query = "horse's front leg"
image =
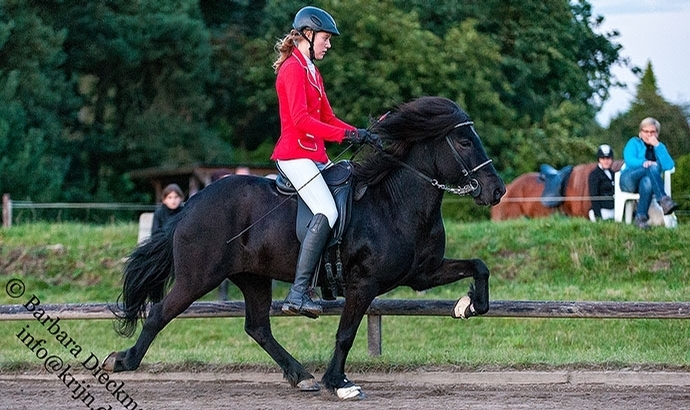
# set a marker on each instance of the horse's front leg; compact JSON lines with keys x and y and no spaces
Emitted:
{"x":355,"y":308}
{"x":476,"y":302}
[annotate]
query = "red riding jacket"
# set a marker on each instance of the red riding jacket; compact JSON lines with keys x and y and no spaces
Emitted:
{"x":306,"y":117}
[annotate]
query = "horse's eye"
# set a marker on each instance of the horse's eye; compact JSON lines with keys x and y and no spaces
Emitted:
{"x":465,"y":144}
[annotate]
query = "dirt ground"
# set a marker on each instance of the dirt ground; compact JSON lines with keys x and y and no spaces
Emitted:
{"x":416,"y":390}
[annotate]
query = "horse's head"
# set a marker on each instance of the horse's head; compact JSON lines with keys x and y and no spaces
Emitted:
{"x":469,"y":168}
{"x":449,"y":153}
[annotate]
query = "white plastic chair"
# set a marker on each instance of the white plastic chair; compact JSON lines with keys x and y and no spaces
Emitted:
{"x":145,"y":226}
{"x":623,"y":202}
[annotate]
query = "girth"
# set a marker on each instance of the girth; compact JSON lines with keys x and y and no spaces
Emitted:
{"x":338,"y":177}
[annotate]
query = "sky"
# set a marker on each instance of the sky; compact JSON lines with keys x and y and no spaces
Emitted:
{"x":650,"y":30}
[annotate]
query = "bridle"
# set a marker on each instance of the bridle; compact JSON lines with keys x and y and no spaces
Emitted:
{"x":472,"y":186}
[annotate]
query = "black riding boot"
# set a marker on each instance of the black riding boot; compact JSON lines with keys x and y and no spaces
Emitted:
{"x":298,"y":301}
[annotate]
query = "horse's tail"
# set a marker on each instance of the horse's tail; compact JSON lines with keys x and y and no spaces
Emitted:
{"x":147,"y":274}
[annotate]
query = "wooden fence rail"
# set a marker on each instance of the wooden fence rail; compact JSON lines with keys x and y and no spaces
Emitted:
{"x":392,"y":307}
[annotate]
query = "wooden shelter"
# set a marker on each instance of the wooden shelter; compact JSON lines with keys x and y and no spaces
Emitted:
{"x":192,"y":178}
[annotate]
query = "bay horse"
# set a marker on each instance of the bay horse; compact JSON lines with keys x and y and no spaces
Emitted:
{"x":523,"y":195}
{"x":395,"y":238}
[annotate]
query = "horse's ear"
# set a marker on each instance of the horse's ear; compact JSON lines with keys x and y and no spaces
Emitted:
{"x":383,"y":117}
{"x":376,"y":122}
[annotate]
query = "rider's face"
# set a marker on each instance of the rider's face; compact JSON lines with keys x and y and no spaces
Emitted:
{"x":322,"y":42}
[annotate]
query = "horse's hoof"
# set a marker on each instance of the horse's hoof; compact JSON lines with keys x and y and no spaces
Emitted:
{"x":309,"y":385}
{"x":109,"y":362}
{"x":353,"y":392}
{"x":464,"y":309}
{"x":349,"y":391}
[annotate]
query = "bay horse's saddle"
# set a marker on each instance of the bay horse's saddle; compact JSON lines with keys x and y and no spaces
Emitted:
{"x":555,"y":182}
{"x":338,"y":177}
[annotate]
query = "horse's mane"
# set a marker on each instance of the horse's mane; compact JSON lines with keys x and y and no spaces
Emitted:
{"x":417,"y":120}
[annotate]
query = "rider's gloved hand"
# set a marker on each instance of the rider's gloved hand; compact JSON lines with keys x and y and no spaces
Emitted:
{"x":363,"y":136}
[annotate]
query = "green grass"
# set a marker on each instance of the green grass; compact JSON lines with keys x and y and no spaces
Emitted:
{"x":547,"y":259}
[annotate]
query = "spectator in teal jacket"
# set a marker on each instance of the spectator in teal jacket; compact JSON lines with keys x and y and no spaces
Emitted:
{"x":646,"y":158}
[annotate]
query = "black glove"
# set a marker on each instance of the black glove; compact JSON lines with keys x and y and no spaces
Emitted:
{"x":363,"y":136}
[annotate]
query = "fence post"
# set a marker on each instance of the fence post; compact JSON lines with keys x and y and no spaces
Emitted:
{"x":6,"y":211}
{"x":374,"y":335}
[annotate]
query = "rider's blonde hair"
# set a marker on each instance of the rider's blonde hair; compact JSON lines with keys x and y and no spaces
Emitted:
{"x":284,"y":48}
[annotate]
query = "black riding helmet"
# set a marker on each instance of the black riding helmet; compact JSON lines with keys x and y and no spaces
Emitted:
{"x":315,"y":19}
{"x":605,"y":151}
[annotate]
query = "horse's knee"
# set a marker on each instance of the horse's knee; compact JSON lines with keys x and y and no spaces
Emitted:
{"x":260,"y":334}
{"x":481,"y":271}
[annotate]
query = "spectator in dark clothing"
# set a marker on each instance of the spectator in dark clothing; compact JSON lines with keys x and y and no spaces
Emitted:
{"x":601,"y":186}
{"x":172,"y":204}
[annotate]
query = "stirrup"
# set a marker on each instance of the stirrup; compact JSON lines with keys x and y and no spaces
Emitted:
{"x":306,"y":307}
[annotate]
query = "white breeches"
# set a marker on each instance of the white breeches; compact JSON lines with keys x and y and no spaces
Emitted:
{"x":305,"y":176}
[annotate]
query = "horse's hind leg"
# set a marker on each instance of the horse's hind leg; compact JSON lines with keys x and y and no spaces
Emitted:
{"x":257,"y":296}
{"x":176,"y":302}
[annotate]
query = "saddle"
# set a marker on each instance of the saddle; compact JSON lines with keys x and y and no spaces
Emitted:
{"x":338,"y":177}
{"x":555,"y":182}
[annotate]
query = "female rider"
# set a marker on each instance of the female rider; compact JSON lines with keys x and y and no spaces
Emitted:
{"x":307,"y":121}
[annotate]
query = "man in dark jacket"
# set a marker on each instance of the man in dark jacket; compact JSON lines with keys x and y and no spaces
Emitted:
{"x":601,"y":185}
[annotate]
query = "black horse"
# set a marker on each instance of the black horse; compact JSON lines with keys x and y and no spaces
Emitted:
{"x":395,"y":237}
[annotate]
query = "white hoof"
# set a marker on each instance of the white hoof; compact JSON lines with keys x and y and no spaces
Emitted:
{"x":309,"y":385}
{"x":350,"y":392}
{"x":463,"y":309}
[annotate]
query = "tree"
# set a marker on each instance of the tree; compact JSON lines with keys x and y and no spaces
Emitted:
{"x":143,"y":68}
{"x":681,"y":181}
{"x":675,"y":132}
{"x":550,"y":141}
{"x":244,"y":112}
{"x":551,"y":52}
{"x":35,"y":103}
{"x":514,"y":67}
